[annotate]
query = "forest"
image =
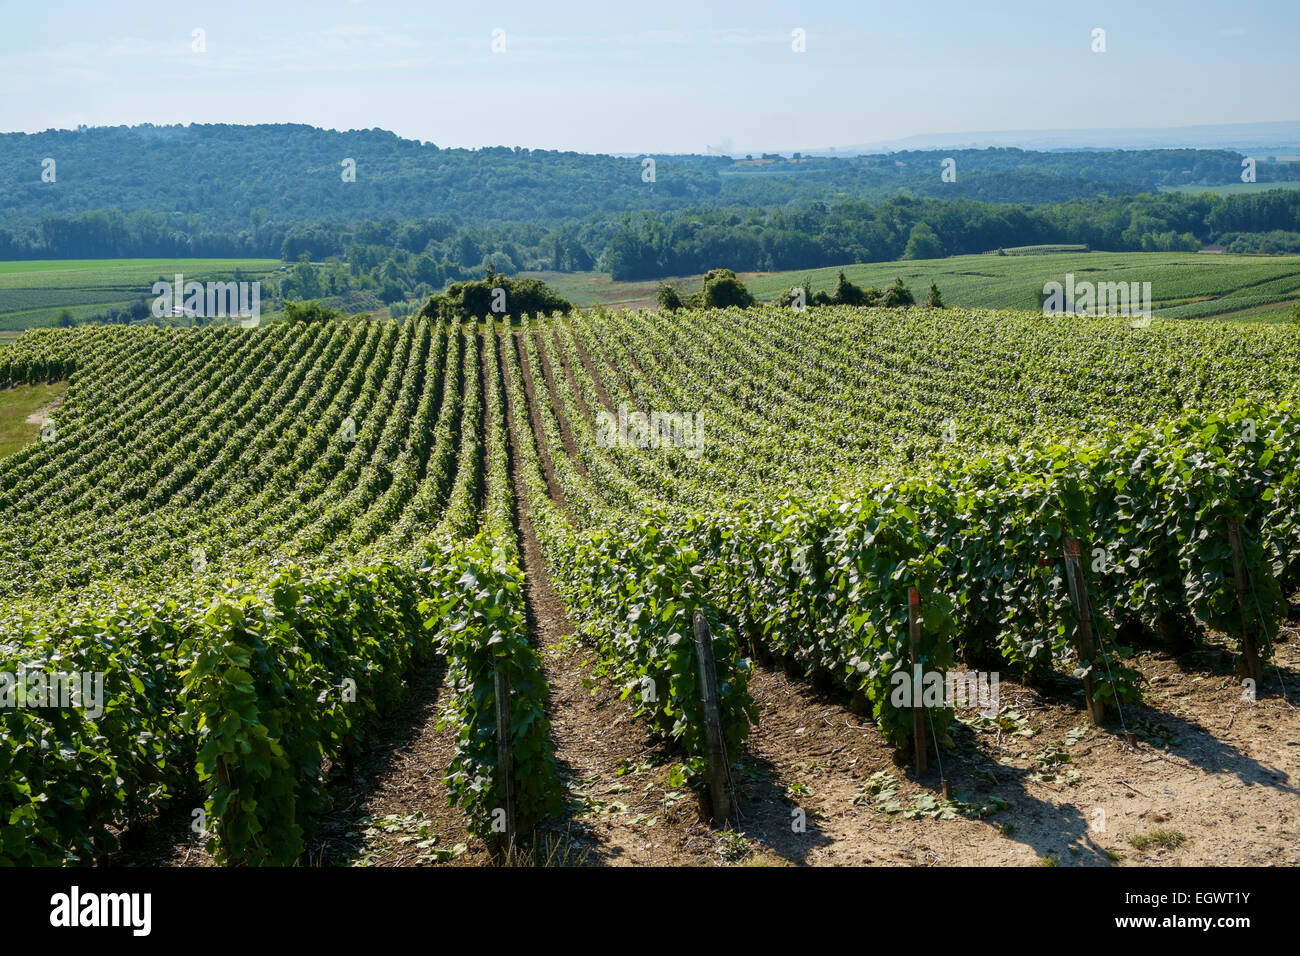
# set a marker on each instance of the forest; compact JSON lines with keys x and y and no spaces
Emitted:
{"x":165,"y":191}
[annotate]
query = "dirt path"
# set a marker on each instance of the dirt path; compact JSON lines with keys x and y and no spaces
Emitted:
{"x":585,"y":359}
{"x":620,"y":807}
{"x":392,"y":809}
{"x":583,"y":409}
{"x":44,"y":413}
{"x":543,"y":453}
{"x":606,"y":363}
{"x":566,"y":432}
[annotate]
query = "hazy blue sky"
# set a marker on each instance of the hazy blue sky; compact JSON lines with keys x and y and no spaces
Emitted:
{"x":623,"y":76}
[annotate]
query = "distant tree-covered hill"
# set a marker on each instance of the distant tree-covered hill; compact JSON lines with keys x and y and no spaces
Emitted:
{"x":233,"y":179}
{"x":440,"y":215}
{"x":245,"y":177}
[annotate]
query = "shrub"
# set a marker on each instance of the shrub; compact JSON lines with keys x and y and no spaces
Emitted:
{"x":897,"y":295}
{"x":722,"y":289}
{"x":495,"y":294}
{"x":309,"y":312}
{"x":668,"y":298}
{"x":846,"y":293}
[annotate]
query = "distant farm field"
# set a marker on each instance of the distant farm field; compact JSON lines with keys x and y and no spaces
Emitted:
{"x":1228,"y":189}
{"x":1183,"y":284}
{"x":35,"y":293}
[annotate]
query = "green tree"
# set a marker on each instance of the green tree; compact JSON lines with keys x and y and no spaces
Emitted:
{"x":495,"y":294}
{"x":846,"y":293}
{"x":305,"y":280}
{"x":933,"y":300}
{"x":897,"y":295}
{"x":923,"y":243}
{"x":501,"y":262}
{"x":309,"y":312}
{"x":391,"y":292}
{"x":426,"y":270}
{"x":668,"y":298}
{"x":721,"y":289}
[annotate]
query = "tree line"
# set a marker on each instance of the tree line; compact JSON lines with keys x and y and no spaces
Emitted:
{"x":397,"y":256}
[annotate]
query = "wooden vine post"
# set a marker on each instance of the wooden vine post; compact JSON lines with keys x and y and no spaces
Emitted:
{"x":918,"y":715}
{"x":719,"y":787}
{"x":504,"y":767}
{"x":1083,"y":615}
{"x":223,"y":778}
{"x":1250,"y":665}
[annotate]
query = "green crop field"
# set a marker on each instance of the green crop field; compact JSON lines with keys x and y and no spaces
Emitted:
{"x":35,"y":293}
{"x":1183,"y":284}
{"x":1229,"y":189}
{"x":257,"y":538}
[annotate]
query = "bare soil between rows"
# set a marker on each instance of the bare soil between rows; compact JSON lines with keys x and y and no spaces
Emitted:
{"x":1212,"y":781}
